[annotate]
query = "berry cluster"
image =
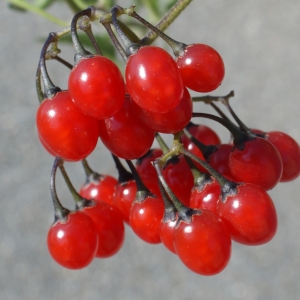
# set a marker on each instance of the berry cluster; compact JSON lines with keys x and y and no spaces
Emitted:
{"x":195,"y":197}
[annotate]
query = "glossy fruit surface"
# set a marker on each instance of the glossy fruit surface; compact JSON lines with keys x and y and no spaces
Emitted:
{"x":153,"y":79}
{"x":179,"y":178}
{"x":101,"y":188}
{"x":204,"y":245}
{"x":73,"y":244}
{"x":97,"y":87}
{"x":167,"y":230}
{"x":145,"y":218}
{"x":219,"y":160}
{"x":203,"y":134}
{"x":201,"y":67}
{"x":124,"y":134}
{"x":250,"y":215}
{"x":258,"y":163}
{"x":169,"y":122}
{"x":65,"y":129}
{"x":206,"y":197}
{"x":124,"y":197}
{"x":289,"y":151}
{"x":144,"y":164}
{"x":109,"y":226}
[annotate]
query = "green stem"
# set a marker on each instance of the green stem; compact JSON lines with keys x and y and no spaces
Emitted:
{"x":23,"y":4}
{"x":166,"y":20}
{"x":161,"y":143}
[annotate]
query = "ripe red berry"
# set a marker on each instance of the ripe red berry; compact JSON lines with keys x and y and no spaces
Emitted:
{"x":166,"y":231}
{"x":124,"y":197}
{"x":204,"y":135}
{"x":144,"y":164}
{"x":249,"y":214}
{"x":65,"y":129}
{"x":74,"y":243}
{"x":172,"y":121}
{"x":145,"y":218}
{"x":204,"y":244}
{"x":219,"y":160}
{"x":201,"y":68}
{"x":289,"y":151}
{"x":97,"y":87}
{"x":259,"y":162}
{"x":179,"y":178}
{"x":124,"y":134}
{"x":153,"y":79}
{"x":206,"y":197}
{"x":101,"y":188}
{"x":109,"y":226}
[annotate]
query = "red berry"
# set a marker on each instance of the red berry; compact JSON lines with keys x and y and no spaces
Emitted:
{"x":65,"y":129}
{"x":289,"y":151}
{"x":204,"y":244}
{"x":74,"y":243}
{"x":124,"y":197}
{"x":172,"y":121}
{"x":153,"y":79}
{"x":145,"y":218}
{"x":219,"y":160}
{"x":109,"y":226}
{"x":101,"y":188}
{"x":97,"y":87}
{"x":144,"y":164}
{"x":206,"y":197}
{"x":250,"y":215}
{"x":203,"y":134}
{"x":259,"y":162}
{"x":179,"y":177}
{"x":124,"y":134}
{"x":201,"y":68}
{"x":167,"y":230}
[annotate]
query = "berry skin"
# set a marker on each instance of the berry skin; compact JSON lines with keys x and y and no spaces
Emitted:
{"x":204,"y":244}
{"x":179,"y":178}
{"x":201,"y":68}
{"x":258,"y":163}
{"x":109,"y":226}
{"x":144,"y":164}
{"x":64,"y":129}
{"x":97,"y":87}
{"x":153,"y":80}
{"x":167,"y":230}
{"x":219,"y":160}
{"x":124,"y":134}
{"x":206,"y":197}
{"x":73,"y":244}
{"x":203,"y":134}
{"x":289,"y":151}
{"x":101,"y":188}
{"x":145,"y":218}
{"x":170,"y":122}
{"x":124,"y":197}
{"x":250,"y":215}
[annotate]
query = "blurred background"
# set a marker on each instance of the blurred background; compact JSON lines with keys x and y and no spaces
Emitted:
{"x":259,"y":42}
